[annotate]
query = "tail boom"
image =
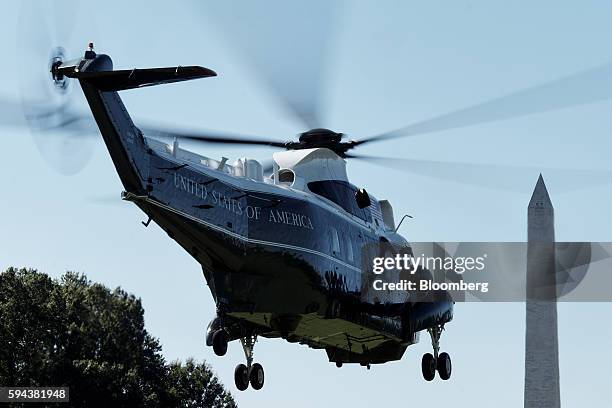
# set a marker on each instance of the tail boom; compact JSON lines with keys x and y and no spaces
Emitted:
{"x":100,"y":83}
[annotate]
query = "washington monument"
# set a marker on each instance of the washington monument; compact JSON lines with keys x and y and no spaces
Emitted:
{"x":541,"y":341}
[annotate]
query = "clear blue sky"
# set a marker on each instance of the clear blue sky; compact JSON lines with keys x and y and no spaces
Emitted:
{"x":392,"y":63}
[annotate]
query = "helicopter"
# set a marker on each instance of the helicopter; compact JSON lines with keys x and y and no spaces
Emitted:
{"x":280,"y":252}
{"x":284,"y":248}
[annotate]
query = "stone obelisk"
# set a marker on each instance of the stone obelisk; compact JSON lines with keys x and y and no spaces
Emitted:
{"x":541,"y":341}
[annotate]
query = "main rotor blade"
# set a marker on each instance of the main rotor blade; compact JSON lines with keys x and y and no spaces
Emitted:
{"x":584,"y":87}
{"x":494,"y":176}
{"x":286,"y":44}
{"x":216,"y":137}
{"x":11,"y":113}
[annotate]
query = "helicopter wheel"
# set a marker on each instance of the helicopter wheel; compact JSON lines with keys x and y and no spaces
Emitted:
{"x":444,"y":366}
{"x":428,"y":366}
{"x":256,"y":376}
{"x":241,"y":377}
{"x":219,"y":341}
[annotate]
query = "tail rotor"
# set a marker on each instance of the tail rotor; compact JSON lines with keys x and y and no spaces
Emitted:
{"x":61,"y":131}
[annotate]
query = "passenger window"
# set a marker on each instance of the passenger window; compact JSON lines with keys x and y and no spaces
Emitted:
{"x":349,"y":249}
{"x":335,"y":242}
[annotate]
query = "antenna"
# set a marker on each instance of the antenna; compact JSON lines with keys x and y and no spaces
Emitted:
{"x":402,"y":220}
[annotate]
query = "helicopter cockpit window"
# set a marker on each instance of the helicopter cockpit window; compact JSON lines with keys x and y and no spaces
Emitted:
{"x":341,"y":193}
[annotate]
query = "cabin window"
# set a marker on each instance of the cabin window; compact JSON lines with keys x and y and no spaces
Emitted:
{"x":335,"y":242}
{"x":341,"y":193}
{"x":349,"y":249}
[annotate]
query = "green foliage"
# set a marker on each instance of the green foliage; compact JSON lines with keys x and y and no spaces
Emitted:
{"x":196,"y":386}
{"x":82,"y":335}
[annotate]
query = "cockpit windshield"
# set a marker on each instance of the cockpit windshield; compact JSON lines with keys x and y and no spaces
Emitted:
{"x":342,"y":193}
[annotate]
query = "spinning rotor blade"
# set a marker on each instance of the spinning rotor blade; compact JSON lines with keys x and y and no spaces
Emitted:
{"x":493,"y":176}
{"x":584,"y":87}
{"x":11,"y":113}
{"x":49,"y":107}
{"x":287,"y":48}
{"x":217,"y":137}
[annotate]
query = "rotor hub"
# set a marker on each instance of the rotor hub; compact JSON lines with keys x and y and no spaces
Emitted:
{"x":58,"y":55}
{"x":320,"y":136}
{"x":323,"y":138}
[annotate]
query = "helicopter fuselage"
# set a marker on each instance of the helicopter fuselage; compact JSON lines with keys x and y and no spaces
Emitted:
{"x":279,"y":261}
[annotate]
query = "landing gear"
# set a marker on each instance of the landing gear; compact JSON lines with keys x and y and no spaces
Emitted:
{"x":219,"y":342}
{"x":218,"y":336}
{"x":249,"y":373}
{"x":440,"y":362}
{"x":217,"y":333}
{"x":241,"y":377}
{"x":444,"y":366}
{"x":256,"y":376}
{"x":428,"y":366}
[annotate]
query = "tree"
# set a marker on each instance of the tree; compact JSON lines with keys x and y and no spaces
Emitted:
{"x":82,"y":335}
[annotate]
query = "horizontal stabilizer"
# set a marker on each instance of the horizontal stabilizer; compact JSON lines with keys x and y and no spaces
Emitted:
{"x":138,"y":78}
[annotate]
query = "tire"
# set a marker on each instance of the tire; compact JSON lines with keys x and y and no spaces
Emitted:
{"x":219,"y":341}
{"x":241,"y":377}
{"x":256,"y":376}
{"x":428,"y":367}
{"x":213,"y":326}
{"x":339,"y":364}
{"x":444,"y":366}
